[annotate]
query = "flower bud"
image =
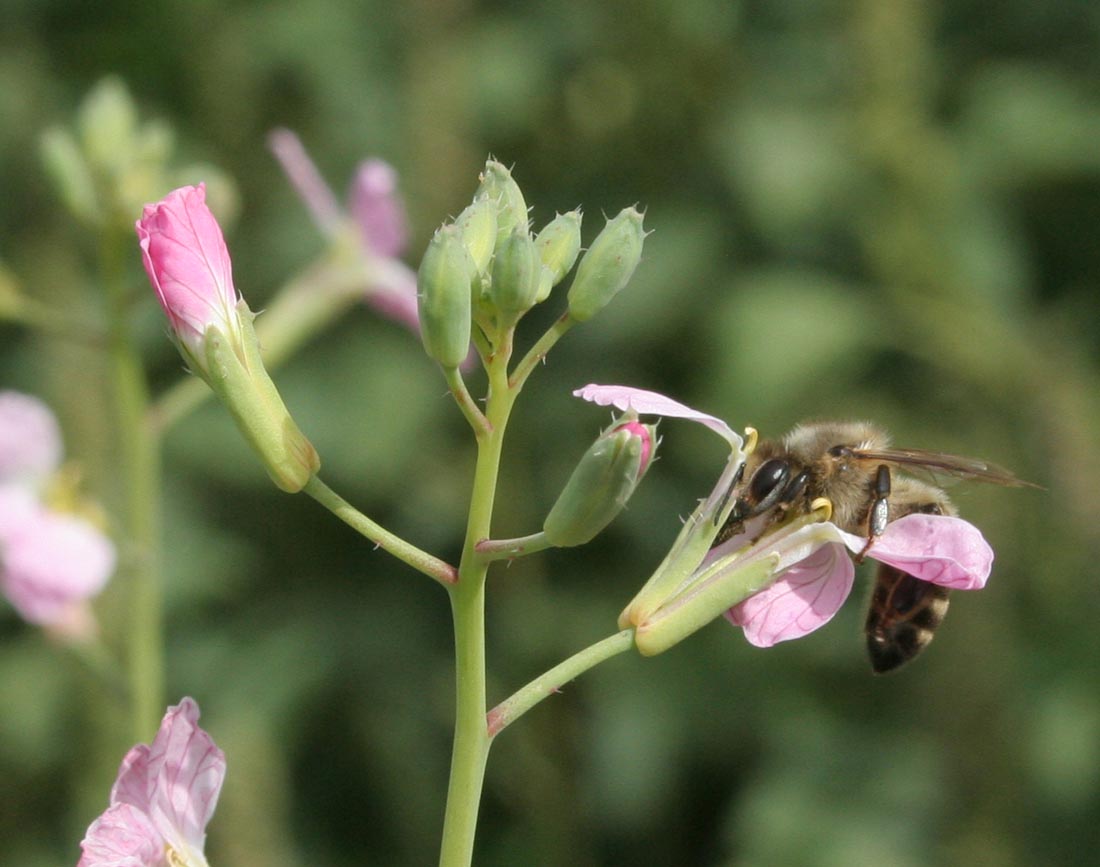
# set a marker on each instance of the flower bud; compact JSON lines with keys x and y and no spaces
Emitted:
{"x":444,"y":284}
{"x":558,"y":243}
{"x":601,"y":484}
{"x":478,"y":224}
{"x":497,"y":184}
{"x":188,"y":265}
{"x":517,"y":271}
{"x":607,"y":265}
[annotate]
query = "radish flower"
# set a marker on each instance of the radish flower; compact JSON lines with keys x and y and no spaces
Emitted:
{"x":793,"y":579}
{"x":51,"y":562}
{"x":162,"y":800}
{"x":375,"y":212}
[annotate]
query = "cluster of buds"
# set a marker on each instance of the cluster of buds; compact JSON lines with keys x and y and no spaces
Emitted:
{"x":486,"y":269}
{"x":112,"y":163}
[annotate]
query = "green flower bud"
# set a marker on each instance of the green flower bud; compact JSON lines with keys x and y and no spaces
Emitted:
{"x":233,"y":368}
{"x":478,"y":224}
{"x":607,"y":265}
{"x":497,"y":184}
{"x":559,"y":242}
{"x":108,"y":122}
{"x":517,"y":271}
{"x":443,"y":282}
{"x":601,"y":484}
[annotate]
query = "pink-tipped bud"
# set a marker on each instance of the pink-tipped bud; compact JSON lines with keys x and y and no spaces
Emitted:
{"x":601,"y":484}
{"x":185,"y":256}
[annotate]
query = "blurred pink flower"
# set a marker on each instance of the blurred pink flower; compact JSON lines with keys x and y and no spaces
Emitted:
{"x":51,"y":562}
{"x":378,"y":213}
{"x":162,"y":800}
{"x":30,"y":439}
{"x":185,"y":256}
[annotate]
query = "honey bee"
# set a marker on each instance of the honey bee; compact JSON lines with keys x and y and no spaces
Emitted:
{"x":853,"y":465}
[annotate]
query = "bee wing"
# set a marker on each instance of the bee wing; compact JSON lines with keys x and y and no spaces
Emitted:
{"x":940,"y":463}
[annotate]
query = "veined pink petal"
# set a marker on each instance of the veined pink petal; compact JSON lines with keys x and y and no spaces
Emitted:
{"x":188,"y":771}
{"x":52,"y":560}
{"x":377,"y":208}
{"x":940,"y":549}
{"x":122,"y":837}
{"x":804,"y":598}
{"x":651,"y":403}
{"x":185,"y":256}
{"x":30,"y":439}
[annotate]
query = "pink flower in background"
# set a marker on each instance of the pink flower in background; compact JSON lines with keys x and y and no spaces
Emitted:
{"x":185,"y":256}
{"x":377,"y":209}
{"x":51,"y":562}
{"x":30,"y":439}
{"x":935,"y":548}
{"x":378,"y":213}
{"x":162,"y":800}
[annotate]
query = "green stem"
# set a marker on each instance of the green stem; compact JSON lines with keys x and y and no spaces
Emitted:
{"x":471,"y":740}
{"x":420,"y":560}
{"x":515,"y":706}
{"x":507,"y":549}
{"x":465,"y":402}
{"x":542,"y":346}
{"x":139,"y":460}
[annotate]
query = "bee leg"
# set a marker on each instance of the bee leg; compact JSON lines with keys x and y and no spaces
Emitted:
{"x":879,"y":514}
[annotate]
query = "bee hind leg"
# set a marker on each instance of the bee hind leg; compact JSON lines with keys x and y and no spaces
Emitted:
{"x":878,"y":516}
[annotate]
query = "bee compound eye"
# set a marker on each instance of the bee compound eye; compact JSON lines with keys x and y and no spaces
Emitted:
{"x":768,"y":481}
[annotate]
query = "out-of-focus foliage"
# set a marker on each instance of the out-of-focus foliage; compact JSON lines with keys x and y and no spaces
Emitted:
{"x":885,"y":210}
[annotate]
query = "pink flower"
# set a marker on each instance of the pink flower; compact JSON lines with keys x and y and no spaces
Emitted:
{"x":377,"y":208}
{"x":162,"y":800}
{"x":185,"y":256}
{"x":30,"y":439}
{"x":51,"y":563}
{"x":378,"y":214}
{"x":935,"y":548}
{"x":812,"y":573}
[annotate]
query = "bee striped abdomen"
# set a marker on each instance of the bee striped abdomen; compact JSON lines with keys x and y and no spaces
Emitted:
{"x":902,"y":618}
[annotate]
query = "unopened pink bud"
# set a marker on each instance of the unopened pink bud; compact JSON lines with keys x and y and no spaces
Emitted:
{"x":644,"y":433}
{"x":185,"y":256}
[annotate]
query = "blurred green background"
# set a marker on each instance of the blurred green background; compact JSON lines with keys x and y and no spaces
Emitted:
{"x":882,"y":210}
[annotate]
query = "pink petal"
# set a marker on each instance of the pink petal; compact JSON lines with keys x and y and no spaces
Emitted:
{"x":805,"y":597}
{"x":122,"y":837}
{"x":393,"y":294}
{"x":30,"y":439}
{"x":18,"y":505}
{"x":135,"y":782}
{"x":188,"y":770}
{"x":943,"y":550}
{"x":51,"y":561}
{"x":307,"y":181}
{"x":188,"y":264}
{"x":651,"y":403}
{"x":377,"y":208}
